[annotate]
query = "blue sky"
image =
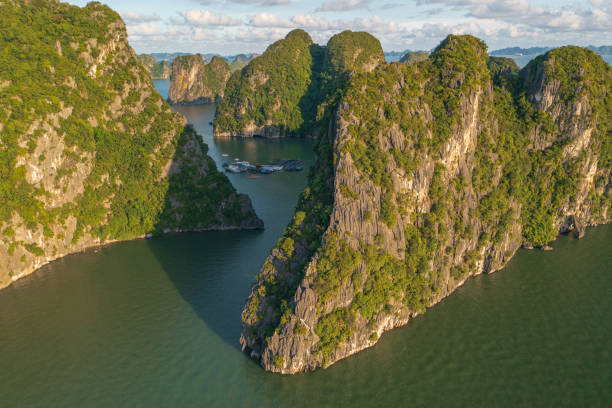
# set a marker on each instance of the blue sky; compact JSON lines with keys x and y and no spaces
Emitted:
{"x":233,"y":26}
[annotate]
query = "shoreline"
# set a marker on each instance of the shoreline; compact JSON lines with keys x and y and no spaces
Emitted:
{"x":38,"y":266}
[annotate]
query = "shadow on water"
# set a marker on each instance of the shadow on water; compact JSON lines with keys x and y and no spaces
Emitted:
{"x":203,"y":267}
{"x":213,"y":271}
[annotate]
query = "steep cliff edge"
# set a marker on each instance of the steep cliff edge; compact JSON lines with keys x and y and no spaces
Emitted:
{"x":158,"y":70}
{"x":281,"y":92}
{"x":429,"y":173}
{"x":89,"y":152}
{"x":193,"y":81}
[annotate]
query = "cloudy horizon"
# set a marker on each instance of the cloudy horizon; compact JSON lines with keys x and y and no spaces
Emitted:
{"x":242,"y":26}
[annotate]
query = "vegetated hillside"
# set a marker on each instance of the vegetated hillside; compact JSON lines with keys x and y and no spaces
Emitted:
{"x":89,"y":152}
{"x":432,"y":172}
{"x":414,"y":56}
{"x":193,"y":81}
{"x":240,"y":61}
{"x":279,"y":93}
{"x":158,"y":70}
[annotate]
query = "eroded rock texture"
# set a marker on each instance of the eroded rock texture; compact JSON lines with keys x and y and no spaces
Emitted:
{"x":194,"y":82}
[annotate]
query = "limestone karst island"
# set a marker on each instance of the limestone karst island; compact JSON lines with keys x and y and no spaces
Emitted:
{"x":194,"y":193}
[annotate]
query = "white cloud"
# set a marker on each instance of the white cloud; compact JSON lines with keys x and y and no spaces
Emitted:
{"x":250,"y":25}
{"x":146,"y":29}
{"x":132,"y":17}
{"x":343,"y":5}
{"x":205,"y":18}
{"x":309,"y":22}
{"x":550,"y":19}
{"x":200,"y":34}
{"x":269,"y":20}
{"x":254,"y":2}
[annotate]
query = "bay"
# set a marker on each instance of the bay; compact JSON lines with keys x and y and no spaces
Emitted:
{"x":156,"y":322}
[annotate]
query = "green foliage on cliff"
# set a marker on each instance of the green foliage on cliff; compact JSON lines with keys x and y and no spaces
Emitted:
{"x":348,"y":52}
{"x":269,"y":89}
{"x":337,"y":262}
{"x":290,"y":85}
{"x":465,"y":157}
{"x":514,"y":181}
{"x":414,"y":56}
{"x":317,"y":199}
{"x":332,"y":330}
{"x":65,"y":72}
{"x":504,"y":71}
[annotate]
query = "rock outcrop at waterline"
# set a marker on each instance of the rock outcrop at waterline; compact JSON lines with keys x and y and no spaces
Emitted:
{"x":89,"y":152}
{"x":158,"y":70}
{"x":429,"y":173}
{"x":194,"y":82}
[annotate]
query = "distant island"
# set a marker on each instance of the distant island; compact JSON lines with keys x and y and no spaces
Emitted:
{"x":193,"y":81}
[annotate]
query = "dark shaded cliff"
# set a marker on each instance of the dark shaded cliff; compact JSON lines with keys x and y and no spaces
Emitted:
{"x":429,"y":173}
{"x":89,"y":151}
{"x":193,"y":81}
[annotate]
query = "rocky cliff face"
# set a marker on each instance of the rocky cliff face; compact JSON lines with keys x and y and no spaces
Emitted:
{"x":429,"y":173}
{"x":158,"y":70}
{"x":281,"y":92}
{"x":89,"y":152}
{"x":193,"y":82}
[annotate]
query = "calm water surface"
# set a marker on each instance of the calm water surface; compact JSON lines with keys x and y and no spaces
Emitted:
{"x":156,"y":323}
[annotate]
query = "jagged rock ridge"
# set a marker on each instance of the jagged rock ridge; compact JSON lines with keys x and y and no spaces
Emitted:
{"x":193,"y":81}
{"x":429,"y":173}
{"x":89,"y":152}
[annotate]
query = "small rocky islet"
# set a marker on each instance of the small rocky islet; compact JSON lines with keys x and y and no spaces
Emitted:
{"x":429,"y":170}
{"x":193,"y":81}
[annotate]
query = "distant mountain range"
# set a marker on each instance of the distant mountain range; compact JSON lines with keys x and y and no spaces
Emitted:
{"x":602,"y":50}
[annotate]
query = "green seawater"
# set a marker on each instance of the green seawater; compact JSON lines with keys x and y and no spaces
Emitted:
{"x":156,"y":323}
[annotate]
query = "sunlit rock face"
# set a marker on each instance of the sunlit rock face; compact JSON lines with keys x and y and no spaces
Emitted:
{"x":192,"y":81}
{"x":429,"y":173}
